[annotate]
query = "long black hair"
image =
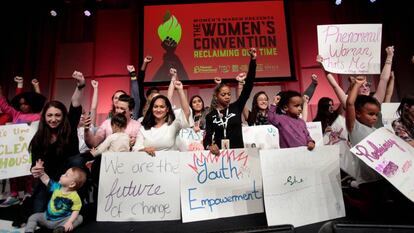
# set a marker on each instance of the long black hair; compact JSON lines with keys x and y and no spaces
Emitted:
{"x":323,"y":115}
{"x":201,"y":117}
{"x":406,"y":103}
{"x":202,"y":102}
{"x":253,"y":116}
{"x":149,"y":118}
{"x":35,"y":100}
{"x":41,"y":141}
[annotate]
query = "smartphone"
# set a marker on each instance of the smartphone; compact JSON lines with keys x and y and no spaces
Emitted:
{"x":197,"y":118}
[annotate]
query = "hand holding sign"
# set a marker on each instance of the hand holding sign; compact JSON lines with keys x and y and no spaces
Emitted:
{"x":350,"y":48}
{"x":214,"y":149}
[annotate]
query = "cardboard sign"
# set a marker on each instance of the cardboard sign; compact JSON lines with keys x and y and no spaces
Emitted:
{"x":350,"y":48}
{"x":189,"y":140}
{"x":315,"y":131}
{"x":261,"y":136}
{"x":391,"y":157}
{"x":15,"y":159}
{"x":339,"y":136}
{"x":134,"y":186}
{"x":389,"y":113}
{"x":220,"y":186}
{"x":300,"y":186}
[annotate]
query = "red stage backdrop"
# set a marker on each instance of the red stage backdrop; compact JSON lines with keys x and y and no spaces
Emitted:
{"x":212,"y":39}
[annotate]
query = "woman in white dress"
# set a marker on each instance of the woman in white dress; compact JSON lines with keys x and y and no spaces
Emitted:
{"x":160,"y":125}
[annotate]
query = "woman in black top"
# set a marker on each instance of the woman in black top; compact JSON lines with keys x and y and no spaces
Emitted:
{"x":56,"y":141}
{"x":224,"y":123}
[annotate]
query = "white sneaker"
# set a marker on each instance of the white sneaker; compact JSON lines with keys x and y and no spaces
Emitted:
{"x":9,"y":202}
{"x":26,"y":195}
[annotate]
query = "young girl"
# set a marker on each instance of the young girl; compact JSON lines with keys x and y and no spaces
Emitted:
{"x":26,"y":108}
{"x":199,"y":112}
{"x":260,"y":107}
{"x":118,"y":141}
{"x":284,"y":114}
{"x":361,"y":116}
{"x":223,"y":122}
{"x":404,"y":126}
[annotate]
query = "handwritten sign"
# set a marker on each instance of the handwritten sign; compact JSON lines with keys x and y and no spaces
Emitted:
{"x":389,"y":113}
{"x":339,"y":136}
{"x":391,"y":157}
{"x":15,"y":159}
{"x":301,"y":186}
{"x":134,"y":186}
{"x":189,"y":140}
{"x":315,"y":131}
{"x":261,"y":136}
{"x":350,"y":48}
{"x":220,"y":186}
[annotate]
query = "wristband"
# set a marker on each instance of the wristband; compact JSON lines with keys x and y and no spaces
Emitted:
{"x":133,"y":75}
{"x":81,"y":86}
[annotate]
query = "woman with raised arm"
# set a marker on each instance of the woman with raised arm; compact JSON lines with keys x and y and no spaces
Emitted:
{"x":160,"y":125}
{"x":137,"y":86}
{"x":56,"y":140}
{"x":55,"y":143}
{"x":364,"y":89}
{"x":224,"y":122}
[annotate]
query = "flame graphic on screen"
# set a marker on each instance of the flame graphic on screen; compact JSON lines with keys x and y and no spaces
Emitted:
{"x":170,"y":28}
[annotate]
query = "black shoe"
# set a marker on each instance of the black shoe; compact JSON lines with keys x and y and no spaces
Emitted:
{"x":18,"y":223}
{"x":59,"y":229}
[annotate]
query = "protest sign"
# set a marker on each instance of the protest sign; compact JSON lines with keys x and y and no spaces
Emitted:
{"x":15,"y":159}
{"x":391,"y":157}
{"x":315,"y":131}
{"x":134,"y":186}
{"x":189,"y":140}
{"x":220,"y":186}
{"x":338,"y":135}
{"x":350,"y":48}
{"x":300,"y":186}
{"x":261,"y":136}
